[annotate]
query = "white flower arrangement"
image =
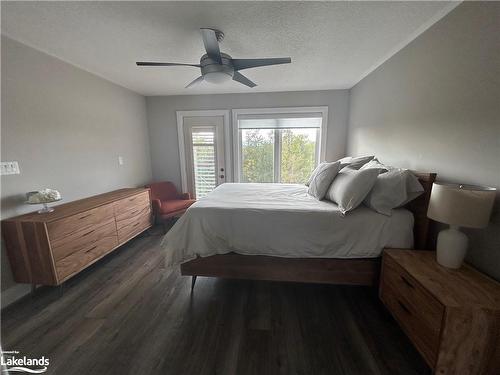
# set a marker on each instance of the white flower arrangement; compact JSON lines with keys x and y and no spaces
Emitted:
{"x":44,"y":196}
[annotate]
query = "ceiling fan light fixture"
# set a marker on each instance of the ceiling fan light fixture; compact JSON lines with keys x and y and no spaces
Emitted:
{"x":217,"y":77}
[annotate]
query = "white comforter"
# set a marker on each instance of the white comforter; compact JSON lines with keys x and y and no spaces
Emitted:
{"x":282,"y":220}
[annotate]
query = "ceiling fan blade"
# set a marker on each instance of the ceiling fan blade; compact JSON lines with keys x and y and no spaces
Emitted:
{"x":240,"y":64}
{"x":211,"y":44}
{"x":195,"y":82}
{"x":238,"y":77}
{"x":148,"y":63}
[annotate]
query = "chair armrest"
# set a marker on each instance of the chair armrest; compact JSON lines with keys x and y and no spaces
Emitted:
{"x":156,"y":205}
{"x":185,"y":196}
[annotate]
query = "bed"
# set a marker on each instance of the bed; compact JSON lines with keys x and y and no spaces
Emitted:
{"x":278,"y":232}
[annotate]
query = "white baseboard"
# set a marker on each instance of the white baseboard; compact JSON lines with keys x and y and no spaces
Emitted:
{"x":14,"y":293}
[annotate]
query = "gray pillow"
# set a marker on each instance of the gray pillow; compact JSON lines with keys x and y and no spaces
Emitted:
{"x":413,"y":187}
{"x":313,"y":173}
{"x":351,"y":186}
{"x":375,"y":164}
{"x":344,"y":162}
{"x":355,"y":163}
{"x":321,"y":180}
{"x":393,"y":189}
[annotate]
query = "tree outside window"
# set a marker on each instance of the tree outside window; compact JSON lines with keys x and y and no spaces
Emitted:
{"x":297,"y":154}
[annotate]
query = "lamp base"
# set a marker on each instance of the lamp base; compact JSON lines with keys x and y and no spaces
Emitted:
{"x":451,"y":247}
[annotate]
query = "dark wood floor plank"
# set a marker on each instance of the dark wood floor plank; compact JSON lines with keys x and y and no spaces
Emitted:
{"x":231,"y":332}
{"x":127,"y":314}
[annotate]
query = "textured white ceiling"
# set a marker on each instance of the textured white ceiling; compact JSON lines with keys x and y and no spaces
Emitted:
{"x":332,"y":44}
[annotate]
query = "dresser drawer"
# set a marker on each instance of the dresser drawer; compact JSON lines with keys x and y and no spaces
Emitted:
{"x":77,"y":261}
{"x":135,"y":226}
{"x":419,"y":314}
{"x":129,"y":217}
{"x":132,"y":203}
{"x":83,"y":239}
{"x":84,"y":220}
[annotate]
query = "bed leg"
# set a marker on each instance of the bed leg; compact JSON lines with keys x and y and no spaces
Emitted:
{"x":193,"y":281}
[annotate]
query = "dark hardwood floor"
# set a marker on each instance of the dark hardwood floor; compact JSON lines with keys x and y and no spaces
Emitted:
{"x":129,"y":315}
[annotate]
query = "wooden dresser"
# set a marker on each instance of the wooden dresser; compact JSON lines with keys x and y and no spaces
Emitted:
{"x":451,"y":316}
{"x":48,"y":249}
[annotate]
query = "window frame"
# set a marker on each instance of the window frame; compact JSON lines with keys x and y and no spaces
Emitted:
{"x":291,"y":111}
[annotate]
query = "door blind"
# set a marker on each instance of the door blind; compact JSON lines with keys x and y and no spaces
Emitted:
{"x":204,"y":161}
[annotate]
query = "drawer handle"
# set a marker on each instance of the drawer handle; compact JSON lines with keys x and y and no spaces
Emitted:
{"x":404,"y":307}
{"x":136,"y":224}
{"x":86,"y":234}
{"x":132,"y":199}
{"x":83,"y":217}
{"x":407,"y":282}
{"x":92,"y":248}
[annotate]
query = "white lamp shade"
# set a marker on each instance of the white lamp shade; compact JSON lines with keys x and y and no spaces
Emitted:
{"x":461,"y":205}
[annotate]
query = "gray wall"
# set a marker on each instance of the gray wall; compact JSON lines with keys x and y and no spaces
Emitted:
{"x":163,"y":123}
{"x":66,"y":128}
{"x":435,"y":106}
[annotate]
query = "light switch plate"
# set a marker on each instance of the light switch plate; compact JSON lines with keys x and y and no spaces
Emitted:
{"x":120,"y":160}
{"x":9,"y":167}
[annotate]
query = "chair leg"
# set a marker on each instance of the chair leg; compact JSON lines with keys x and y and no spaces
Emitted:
{"x":193,"y":281}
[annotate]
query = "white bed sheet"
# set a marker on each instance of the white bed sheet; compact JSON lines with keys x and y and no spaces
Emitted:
{"x":282,"y":220}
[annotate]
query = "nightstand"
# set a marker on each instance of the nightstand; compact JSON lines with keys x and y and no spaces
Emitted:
{"x":451,"y":316}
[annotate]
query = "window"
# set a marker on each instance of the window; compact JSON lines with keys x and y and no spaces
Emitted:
{"x":278,"y":147}
{"x":257,"y":155}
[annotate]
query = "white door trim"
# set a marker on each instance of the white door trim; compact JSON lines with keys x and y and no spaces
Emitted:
{"x":180,"y":134}
{"x":251,"y":111}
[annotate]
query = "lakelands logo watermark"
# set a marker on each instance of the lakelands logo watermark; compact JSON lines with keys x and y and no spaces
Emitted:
{"x":13,"y":361}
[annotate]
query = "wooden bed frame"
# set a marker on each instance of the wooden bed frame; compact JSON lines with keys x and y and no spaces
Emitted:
{"x":310,"y":270}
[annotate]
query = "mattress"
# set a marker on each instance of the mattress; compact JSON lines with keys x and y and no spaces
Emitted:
{"x":282,"y":220}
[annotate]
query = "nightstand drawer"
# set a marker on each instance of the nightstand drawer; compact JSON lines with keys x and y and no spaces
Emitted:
{"x":451,"y":316}
{"x":429,"y":309}
{"x":425,"y":339}
{"x":417,"y":311}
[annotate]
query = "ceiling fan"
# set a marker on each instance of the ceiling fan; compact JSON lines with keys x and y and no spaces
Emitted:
{"x":218,"y":67}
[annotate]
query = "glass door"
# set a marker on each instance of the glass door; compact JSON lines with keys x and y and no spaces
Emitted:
{"x":205,"y":162}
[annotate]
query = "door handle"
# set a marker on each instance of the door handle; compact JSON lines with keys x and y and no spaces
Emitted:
{"x":222,"y":169}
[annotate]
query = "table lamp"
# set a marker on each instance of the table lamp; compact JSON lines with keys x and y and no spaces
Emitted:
{"x":459,"y":206}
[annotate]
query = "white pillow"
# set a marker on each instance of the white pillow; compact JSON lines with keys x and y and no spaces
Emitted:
{"x":322,"y":179}
{"x":313,"y":173}
{"x":413,"y":187}
{"x":350,"y":187}
{"x":393,"y":189}
{"x":344,"y":162}
{"x":355,"y":163}
{"x":375,"y":164}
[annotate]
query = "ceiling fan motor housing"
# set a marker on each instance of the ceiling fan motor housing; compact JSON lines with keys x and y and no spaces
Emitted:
{"x":214,"y":72}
